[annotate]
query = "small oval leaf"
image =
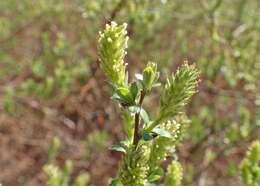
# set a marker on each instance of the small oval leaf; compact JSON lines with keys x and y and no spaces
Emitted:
{"x":162,"y":132}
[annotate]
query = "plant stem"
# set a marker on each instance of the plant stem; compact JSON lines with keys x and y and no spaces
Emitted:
{"x":137,"y":119}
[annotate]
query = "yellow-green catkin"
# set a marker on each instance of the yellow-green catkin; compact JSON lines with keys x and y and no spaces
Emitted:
{"x":112,"y":50}
{"x":133,"y":170}
{"x":161,"y":146}
{"x":178,"y":90}
{"x":174,"y":174}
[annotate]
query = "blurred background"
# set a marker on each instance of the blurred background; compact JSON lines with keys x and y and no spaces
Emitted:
{"x":55,"y":106}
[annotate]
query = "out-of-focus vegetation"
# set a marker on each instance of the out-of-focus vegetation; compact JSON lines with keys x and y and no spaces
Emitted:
{"x":51,"y":84}
{"x":250,"y":166}
{"x":61,"y":177}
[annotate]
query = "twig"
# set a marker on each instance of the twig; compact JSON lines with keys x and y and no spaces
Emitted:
{"x":137,"y":116}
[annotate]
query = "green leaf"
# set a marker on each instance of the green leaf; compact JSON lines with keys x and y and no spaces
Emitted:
{"x":118,"y":148}
{"x":121,"y":147}
{"x":120,"y":99}
{"x":116,"y":182}
{"x":162,"y":132}
{"x":150,"y":75}
{"x":144,"y":116}
{"x":134,"y":109}
{"x":156,"y":174}
{"x":123,"y":92}
{"x":134,"y":90}
{"x":124,"y":96}
{"x":115,"y":96}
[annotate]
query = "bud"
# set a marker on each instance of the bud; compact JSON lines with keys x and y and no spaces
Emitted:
{"x":150,"y":76}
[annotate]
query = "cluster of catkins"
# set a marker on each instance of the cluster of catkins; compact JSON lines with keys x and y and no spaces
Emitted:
{"x":150,"y":140}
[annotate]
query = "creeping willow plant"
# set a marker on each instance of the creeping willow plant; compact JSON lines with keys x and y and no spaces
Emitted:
{"x":149,"y":141}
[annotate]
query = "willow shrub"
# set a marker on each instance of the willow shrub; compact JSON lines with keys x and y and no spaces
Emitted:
{"x":149,"y":140}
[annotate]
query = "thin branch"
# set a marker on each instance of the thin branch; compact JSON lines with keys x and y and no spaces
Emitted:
{"x":137,"y":119}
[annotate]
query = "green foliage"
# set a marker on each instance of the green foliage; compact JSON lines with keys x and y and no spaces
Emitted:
{"x":61,"y":177}
{"x":152,"y":141}
{"x":149,"y":77}
{"x":82,"y":180}
{"x":62,"y":79}
{"x":57,"y":176}
{"x":50,"y":64}
{"x":47,"y":46}
{"x":95,"y":142}
{"x":54,"y":148}
{"x":8,"y":100}
{"x":250,"y":166}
